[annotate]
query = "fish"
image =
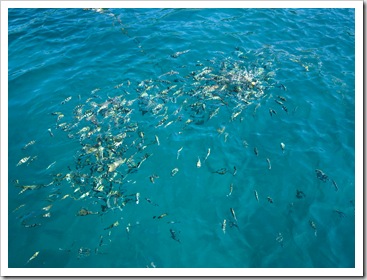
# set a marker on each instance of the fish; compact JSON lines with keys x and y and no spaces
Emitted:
{"x":174,"y":171}
{"x":233,"y":214}
{"x":224,"y":225}
{"x":52,"y":164}
{"x":29,"y":144}
{"x":174,"y":236}
{"x":157,"y":140}
{"x":47,"y":207}
{"x":137,"y":196}
{"x":20,"y":206}
{"x":198,"y":163}
{"x":215,"y":112}
{"x":34,"y":256}
{"x":85,"y":212}
{"x":300,"y":194}
{"x":285,"y":108}
{"x":321,"y":175}
{"x":282,"y":145}
{"x":23,"y":160}
{"x":340,"y":213}
{"x":269,"y":164}
{"x":160,"y":216}
{"x":256,"y":151}
{"x":230,"y":189}
{"x":279,"y":102}
{"x":221,"y":171}
{"x":270,"y":199}
{"x":115,"y":224}
{"x":335,"y":185}
{"x":313,"y":225}
{"x":271,"y":111}
{"x":256,"y":195}
{"x":178,"y":152}
{"x":282,"y":98}
{"x":66,"y":100}
{"x":112,"y":167}
{"x":49,"y":131}
{"x":207,"y":155}
{"x":177,"y":54}
{"x":234,"y":170}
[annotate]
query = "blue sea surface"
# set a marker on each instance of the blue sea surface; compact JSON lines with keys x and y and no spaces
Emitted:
{"x":181,"y":138}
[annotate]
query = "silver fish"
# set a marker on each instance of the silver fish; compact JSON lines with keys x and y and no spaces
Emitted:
{"x":269,"y":164}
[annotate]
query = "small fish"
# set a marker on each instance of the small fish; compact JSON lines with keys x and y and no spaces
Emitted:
{"x":271,"y":111}
{"x":178,"y":152}
{"x":84,"y":212}
{"x":47,"y":215}
{"x":224,"y":225}
{"x":47,"y":207}
{"x":29,"y":144}
{"x":321,"y":175}
{"x":174,"y":171}
{"x":157,"y":140}
{"x":230,"y":189}
{"x":215,"y":112}
{"x":66,"y":100}
{"x":177,"y":54}
{"x":285,"y":108}
{"x":207,"y":155}
{"x":115,"y":224}
{"x":233,"y":214}
{"x":48,"y":167}
{"x":234,"y":170}
{"x":270,"y":199}
{"x":256,"y":151}
{"x":340,"y":213}
{"x":34,"y":256}
{"x":20,"y":206}
{"x":282,"y":145}
{"x":269,"y":164}
{"x":221,"y":171}
{"x":300,"y":194}
{"x":279,"y":239}
{"x":335,"y":185}
{"x":49,"y":131}
{"x":198,"y":163}
{"x":282,"y":98}
{"x":160,"y":216}
{"x":23,"y":160}
{"x":137,"y":196}
{"x":279,"y":102}
{"x":256,"y":195}
{"x":174,"y":236}
{"x":313,"y":225}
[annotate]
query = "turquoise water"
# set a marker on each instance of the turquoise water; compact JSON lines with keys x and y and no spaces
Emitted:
{"x":111,"y":102}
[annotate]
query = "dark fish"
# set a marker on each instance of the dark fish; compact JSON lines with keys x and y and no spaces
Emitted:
{"x":321,"y":175}
{"x":271,"y":111}
{"x":256,"y":151}
{"x":335,"y":185}
{"x":270,"y":199}
{"x":285,"y":108}
{"x":300,"y":194}
{"x":174,"y":236}
{"x":279,"y":102}
{"x":234,"y":170}
{"x":221,"y":171}
{"x":282,"y":98}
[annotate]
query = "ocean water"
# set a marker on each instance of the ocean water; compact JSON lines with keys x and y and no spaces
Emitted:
{"x":254,"y":109}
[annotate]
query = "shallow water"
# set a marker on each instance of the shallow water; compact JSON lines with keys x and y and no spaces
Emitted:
{"x":306,"y":56}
